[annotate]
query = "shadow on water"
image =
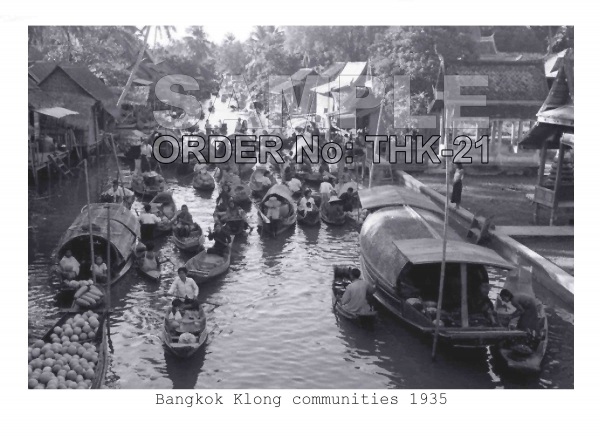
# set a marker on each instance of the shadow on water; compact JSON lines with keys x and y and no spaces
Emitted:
{"x":184,"y":372}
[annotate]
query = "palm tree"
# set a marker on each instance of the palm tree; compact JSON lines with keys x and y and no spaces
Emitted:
{"x":146,"y":32}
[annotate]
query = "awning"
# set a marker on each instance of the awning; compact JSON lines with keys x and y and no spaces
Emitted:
{"x":425,"y":251}
{"x":568,"y":140}
{"x":387,"y":196}
{"x":564,"y":115}
{"x":543,"y":133}
{"x":57,"y":112}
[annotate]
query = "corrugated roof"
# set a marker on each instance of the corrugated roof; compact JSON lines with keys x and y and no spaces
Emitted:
{"x":353,"y":73}
{"x":302,"y":73}
{"x":41,"y":69}
{"x":564,"y":115}
{"x":334,"y":70}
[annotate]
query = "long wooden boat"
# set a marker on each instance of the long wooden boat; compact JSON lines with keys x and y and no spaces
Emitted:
{"x":182,"y":349}
{"x":523,"y":356}
{"x":204,"y":182}
{"x":288,"y":208}
{"x":99,"y":343}
{"x":330,"y":218}
{"x":204,"y":267}
{"x":193,"y":243}
{"x":311,"y":218}
{"x":401,"y":253}
{"x":341,"y":280}
{"x":124,"y":231}
{"x":163,"y":205}
{"x":148,"y":184}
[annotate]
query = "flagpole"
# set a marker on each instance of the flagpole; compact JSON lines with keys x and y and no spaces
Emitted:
{"x":443,"y":145}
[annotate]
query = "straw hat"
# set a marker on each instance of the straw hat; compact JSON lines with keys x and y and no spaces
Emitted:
{"x":272,"y":202}
{"x":334,"y":199}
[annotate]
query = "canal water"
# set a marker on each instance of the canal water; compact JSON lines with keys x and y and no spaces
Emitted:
{"x":270,"y":316}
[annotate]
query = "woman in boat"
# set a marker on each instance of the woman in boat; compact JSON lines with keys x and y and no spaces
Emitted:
{"x":273,"y":211}
{"x":457,"y":184}
{"x":150,"y":260}
{"x":100,"y":270}
{"x":225,"y":196}
{"x":69,"y":266}
{"x":303,"y":205}
{"x":185,"y":223}
{"x":355,"y":298}
{"x":222,"y":240}
{"x":527,"y":310}
{"x":148,"y":222}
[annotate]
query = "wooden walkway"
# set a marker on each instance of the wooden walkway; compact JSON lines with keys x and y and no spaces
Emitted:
{"x":537,"y":231}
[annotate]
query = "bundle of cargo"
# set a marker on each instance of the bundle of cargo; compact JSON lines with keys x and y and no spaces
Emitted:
{"x":89,"y":296}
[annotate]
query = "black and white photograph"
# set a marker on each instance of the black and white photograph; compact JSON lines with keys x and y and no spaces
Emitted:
{"x":300,"y":207}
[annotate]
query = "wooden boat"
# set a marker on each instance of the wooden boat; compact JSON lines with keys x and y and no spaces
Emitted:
{"x":124,"y":230}
{"x":240,"y":193}
{"x":203,"y":267}
{"x":100,"y":342}
{"x":148,"y":184}
{"x":341,"y":280}
{"x":330,"y":216}
{"x":153,"y":275}
{"x":258,"y":188}
{"x":203,"y":182}
{"x":172,"y":338}
{"x":312,"y":217}
{"x":287,"y":210}
{"x":401,"y":253}
{"x":236,"y":227}
{"x":523,"y":356}
{"x":163,"y":205}
{"x":193,"y":243}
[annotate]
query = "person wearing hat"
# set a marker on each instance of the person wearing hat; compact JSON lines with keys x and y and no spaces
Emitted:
{"x":184,"y":287}
{"x":273,"y":211}
{"x":335,"y":206}
{"x":185,"y":223}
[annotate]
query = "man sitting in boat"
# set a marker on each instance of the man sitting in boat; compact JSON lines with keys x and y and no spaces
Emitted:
{"x":334,"y":207}
{"x":117,"y":194}
{"x":303,"y":205}
{"x":150,"y":260}
{"x":185,"y":223}
{"x":481,"y":303}
{"x":347,"y":199}
{"x":222,"y":240}
{"x":234,"y":213}
{"x":355,"y":299}
{"x":527,"y":310}
{"x":184,"y":287}
{"x":100,"y":270}
{"x":273,"y":211}
{"x":68,"y":266}
{"x":148,"y":222}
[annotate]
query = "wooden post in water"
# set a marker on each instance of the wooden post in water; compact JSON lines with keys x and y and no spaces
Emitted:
{"x":444,"y":241}
{"x":464,"y":309}
{"x":108,"y":271}
{"x":114,"y":149}
{"x":87,"y":189}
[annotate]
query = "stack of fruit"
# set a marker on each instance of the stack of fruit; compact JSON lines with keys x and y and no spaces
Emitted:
{"x":88,"y":296}
{"x":69,"y":360}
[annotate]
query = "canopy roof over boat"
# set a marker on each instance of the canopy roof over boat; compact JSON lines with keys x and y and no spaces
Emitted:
{"x":124,"y":227}
{"x":387,"y":196}
{"x":425,"y":251}
{"x":281,"y":191}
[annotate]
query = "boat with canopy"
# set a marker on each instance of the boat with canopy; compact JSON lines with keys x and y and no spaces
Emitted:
{"x":277,"y":200}
{"x":401,"y":253}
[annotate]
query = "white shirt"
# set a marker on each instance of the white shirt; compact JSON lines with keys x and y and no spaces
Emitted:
{"x":69,"y":264}
{"x":304,"y":201}
{"x":149,"y":218}
{"x":118,"y":192}
{"x":295,"y":185}
{"x":181,"y":290}
{"x":325,"y":187}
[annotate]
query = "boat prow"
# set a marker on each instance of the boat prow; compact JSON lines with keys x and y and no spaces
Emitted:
{"x":204,"y":266}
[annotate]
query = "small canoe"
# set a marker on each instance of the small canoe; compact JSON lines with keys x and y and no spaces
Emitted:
{"x":163,"y":204}
{"x":332,"y":219}
{"x":241,"y":193}
{"x":203,"y":267}
{"x":204,"y":182}
{"x":236,"y":227}
{"x":148,"y":184}
{"x":99,"y":342}
{"x":193,"y":243}
{"x":312,"y":217}
{"x":174,"y":339}
{"x":153,"y":275}
{"x":341,"y":280}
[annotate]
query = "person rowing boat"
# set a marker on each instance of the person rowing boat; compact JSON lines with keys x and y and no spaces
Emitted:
{"x":185,"y":223}
{"x":222,"y":240}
